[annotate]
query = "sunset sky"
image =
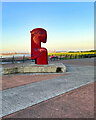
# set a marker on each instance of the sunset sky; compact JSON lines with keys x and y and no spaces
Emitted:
{"x":69,"y":25}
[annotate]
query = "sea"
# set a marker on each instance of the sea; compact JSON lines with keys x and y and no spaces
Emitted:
{"x":10,"y":56}
{"x":15,"y":55}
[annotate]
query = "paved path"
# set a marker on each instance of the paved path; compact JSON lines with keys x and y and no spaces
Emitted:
{"x":15,"y":80}
{"x":18,"y":98}
{"x":77,"y":103}
{"x":81,"y":62}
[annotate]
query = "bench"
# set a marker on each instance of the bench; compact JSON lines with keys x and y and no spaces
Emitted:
{"x":54,"y":58}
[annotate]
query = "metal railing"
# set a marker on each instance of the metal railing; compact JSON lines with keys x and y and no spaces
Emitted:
{"x":24,"y":58}
{"x":15,"y":59}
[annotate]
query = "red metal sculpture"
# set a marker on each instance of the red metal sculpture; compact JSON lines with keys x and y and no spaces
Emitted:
{"x":38,"y":53}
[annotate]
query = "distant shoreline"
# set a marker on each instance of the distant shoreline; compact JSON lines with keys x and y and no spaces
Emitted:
{"x":12,"y":53}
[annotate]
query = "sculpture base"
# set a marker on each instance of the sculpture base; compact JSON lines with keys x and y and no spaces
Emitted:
{"x":34,"y":68}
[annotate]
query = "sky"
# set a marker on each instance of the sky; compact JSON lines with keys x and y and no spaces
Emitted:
{"x":69,"y":25}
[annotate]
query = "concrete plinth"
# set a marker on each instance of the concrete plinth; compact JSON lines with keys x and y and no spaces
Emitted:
{"x":33,"y":68}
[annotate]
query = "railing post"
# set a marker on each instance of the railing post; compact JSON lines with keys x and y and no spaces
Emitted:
{"x":13,"y":59}
{"x":23,"y":58}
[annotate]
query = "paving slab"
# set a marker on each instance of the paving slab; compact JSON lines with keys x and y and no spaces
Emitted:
{"x":21,"y":97}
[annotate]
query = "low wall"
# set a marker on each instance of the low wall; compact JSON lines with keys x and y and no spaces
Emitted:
{"x":33,"y":68}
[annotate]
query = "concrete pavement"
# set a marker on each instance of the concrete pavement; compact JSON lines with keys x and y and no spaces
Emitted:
{"x":77,"y":103}
{"x":18,"y":98}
